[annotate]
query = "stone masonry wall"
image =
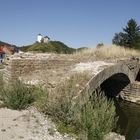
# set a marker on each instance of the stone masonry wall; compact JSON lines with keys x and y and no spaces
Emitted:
{"x":131,"y":92}
{"x":22,"y":67}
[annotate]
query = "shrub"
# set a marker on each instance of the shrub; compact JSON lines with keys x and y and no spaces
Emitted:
{"x":1,"y":81}
{"x":18,"y":96}
{"x":41,"y":97}
{"x":97,"y":117}
{"x":1,"y":87}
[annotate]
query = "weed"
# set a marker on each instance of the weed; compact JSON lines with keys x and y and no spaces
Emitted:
{"x":18,"y":96}
{"x":51,"y":131}
{"x":41,"y":97}
{"x":97,"y":117}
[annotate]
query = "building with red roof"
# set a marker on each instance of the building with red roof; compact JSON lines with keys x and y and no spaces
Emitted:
{"x":6,"y":50}
{"x":2,"y":55}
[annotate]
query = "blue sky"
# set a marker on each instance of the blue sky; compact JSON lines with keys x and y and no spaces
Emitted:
{"x":77,"y":23}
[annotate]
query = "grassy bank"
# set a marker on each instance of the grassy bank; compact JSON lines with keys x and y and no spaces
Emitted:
{"x":91,"y":121}
{"x":105,"y":53}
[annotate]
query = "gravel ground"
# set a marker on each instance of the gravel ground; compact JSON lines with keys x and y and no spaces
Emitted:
{"x":27,"y":125}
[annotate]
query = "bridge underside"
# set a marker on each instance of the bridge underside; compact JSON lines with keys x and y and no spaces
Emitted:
{"x":114,"y":84}
{"x":138,"y":76}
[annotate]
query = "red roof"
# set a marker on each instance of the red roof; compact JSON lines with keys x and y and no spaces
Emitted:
{"x":6,"y":49}
{"x":1,"y":50}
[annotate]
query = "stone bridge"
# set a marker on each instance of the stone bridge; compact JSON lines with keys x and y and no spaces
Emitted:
{"x":121,"y":79}
{"x":116,"y":79}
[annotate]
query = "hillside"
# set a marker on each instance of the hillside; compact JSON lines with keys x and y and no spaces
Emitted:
{"x":9,"y":45}
{"x":4,"y":43}
{"x":52,"y":46}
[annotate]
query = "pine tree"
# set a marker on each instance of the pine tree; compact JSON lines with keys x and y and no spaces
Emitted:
{"x":130,"y":37}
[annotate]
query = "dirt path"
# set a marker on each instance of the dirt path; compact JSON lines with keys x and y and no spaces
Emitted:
{"x":27,"y":125}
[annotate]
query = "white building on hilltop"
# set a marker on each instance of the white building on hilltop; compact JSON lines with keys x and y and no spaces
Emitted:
{"x":41,"y":39}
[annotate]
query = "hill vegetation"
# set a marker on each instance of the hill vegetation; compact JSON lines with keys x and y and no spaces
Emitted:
{"x":4,"y":43}
{"x":52,"y":46}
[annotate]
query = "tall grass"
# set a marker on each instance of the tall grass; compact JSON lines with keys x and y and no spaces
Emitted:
{"x":1,"y":81}
{"x":97,"y":117}
{"x":1,"y":87}
{"x":41,"y":98}
{"x":105,"y":52}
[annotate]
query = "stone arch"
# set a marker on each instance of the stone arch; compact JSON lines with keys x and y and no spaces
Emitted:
{"x":98,"y":79}
{"x":117,"y":70}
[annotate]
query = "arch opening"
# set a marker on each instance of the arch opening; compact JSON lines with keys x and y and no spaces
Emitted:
{"x":114,"y":85}
{"x":138,"y":76}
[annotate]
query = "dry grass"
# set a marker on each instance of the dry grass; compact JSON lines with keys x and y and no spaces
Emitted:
{"x":105,"y":53}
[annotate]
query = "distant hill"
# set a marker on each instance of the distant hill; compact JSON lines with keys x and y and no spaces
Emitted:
{"x":7,"y":44}
{"x":51,"y":46}
{"x":82,"y":48}
{"x":4,"y":43}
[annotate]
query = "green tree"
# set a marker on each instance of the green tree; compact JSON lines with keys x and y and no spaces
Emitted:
{"x":130,"y":37}
{"x":120,"y":39}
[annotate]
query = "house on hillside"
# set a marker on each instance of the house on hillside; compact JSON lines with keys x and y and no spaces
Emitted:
{"x":2,"y":55}
{"x":6,"y":50}
{"x":46,"y":39}
{"x":41,"y":39}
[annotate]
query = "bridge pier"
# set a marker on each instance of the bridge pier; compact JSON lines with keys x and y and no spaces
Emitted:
{"x":131,"y":92}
